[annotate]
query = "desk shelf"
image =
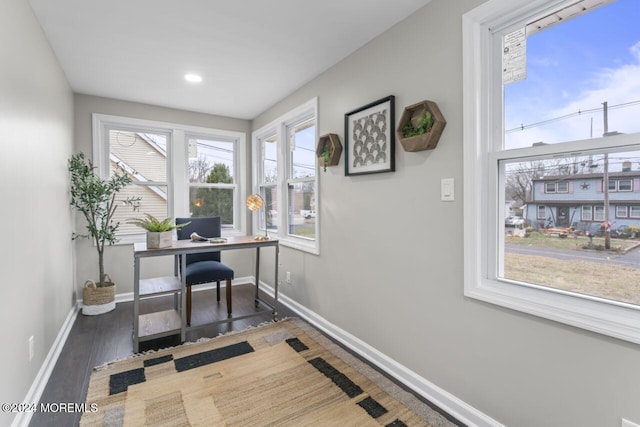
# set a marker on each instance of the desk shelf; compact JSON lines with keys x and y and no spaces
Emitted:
{"x":159,"y":324}
{"x":157,"y":286}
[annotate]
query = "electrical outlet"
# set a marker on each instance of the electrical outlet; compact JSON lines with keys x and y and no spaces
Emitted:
{"x":31,"y":347}
{"x":289,"y":277}
{"x":627,"y":423}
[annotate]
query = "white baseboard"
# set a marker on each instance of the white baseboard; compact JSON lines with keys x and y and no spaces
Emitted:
{"x":434,"y":394}
{"x":34,"y":394}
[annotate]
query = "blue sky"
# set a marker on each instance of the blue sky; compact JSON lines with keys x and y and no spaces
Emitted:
{"x":575,"y":66}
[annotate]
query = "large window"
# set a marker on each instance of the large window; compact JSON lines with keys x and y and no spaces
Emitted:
{"x":213,"y":190}
{"x":286,"y":177}
{"x":177,"y":170}
{"x":549,"y":98}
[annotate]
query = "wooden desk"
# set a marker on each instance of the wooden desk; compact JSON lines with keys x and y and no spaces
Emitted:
{"x":170,"y":322}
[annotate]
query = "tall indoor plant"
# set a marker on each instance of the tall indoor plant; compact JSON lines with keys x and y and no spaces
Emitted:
{"x":95,"y":198}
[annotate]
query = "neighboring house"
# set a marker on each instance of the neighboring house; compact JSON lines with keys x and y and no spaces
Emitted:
{"x":144,"y":161}
{"x":578,"y":201}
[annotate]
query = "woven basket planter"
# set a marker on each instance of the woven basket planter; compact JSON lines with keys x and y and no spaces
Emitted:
{"x":98,"y":300}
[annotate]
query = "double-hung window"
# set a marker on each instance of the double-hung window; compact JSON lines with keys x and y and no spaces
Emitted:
{"x":177,"y":170}
{"x":286,"y":177}
{"x":537,"y":106}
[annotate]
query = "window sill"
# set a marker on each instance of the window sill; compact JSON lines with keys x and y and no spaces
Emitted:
{"x":617,"y":320}
{"x":295,"y":244}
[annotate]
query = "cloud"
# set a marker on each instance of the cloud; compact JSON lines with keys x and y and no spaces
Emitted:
{"x":619,"y":87}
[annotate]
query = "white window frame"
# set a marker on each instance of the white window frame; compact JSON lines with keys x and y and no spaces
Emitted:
{"x":280,"y":127}
{"x":562,"y":184}
{"x":587,"y":213}
{"x":625,"y":180}
{"x":550,"y":187}
{"x":622,"y":211}
{"x":541,"y":209}
{"x":598,"y":213}
{"x":634,"y":211}
{"x":482,"y":135}
{"x":177,"y":167}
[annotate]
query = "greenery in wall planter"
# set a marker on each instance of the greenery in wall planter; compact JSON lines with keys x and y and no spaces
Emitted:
{"x":326,"y":154}
{"x":420,"y":126}
{"x":329,"y":150}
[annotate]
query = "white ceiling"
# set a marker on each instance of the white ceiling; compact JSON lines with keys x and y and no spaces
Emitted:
{"x":250,"y":53}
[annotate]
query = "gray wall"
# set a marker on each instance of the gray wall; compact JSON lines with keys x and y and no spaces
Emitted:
{"x":36,"y":138}
{"x":390,"y":270}
{"x":119,"y":258}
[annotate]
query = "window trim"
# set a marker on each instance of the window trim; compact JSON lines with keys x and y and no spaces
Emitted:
{"x":177,"y":155}
{"x":625,"y":212}
{"x":279,"y":127}
{"x":482,"y":104}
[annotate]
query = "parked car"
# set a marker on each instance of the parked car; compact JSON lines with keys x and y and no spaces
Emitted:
{"x":308,"y":213}
{"x":512,"y":221}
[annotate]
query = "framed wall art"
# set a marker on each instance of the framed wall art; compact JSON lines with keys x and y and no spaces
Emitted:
{"x":369,"y":138}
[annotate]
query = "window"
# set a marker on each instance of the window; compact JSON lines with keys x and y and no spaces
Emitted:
{"x":556,"y":187}
{"x":286,"y":177}
{"x":550,"y":187}
{"x":517,"y":131}
{"x":268,"y":181}
{"x":622,"y":211}
{"x":212,"y":184}
{"x":624,"y":185}
{"x":634,"y":211}
{"x":587,"y":213}
{"x":598,"y":213}
{"x":177,"y":170}
{"x":542,"y":212}
{"x":620,"y":185}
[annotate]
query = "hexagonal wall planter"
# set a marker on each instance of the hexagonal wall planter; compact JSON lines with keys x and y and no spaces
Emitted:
{"x":332,"y":142}
{"x":414,"y":114}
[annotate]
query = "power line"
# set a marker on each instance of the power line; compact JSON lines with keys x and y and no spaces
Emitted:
{"x":567,"y":116}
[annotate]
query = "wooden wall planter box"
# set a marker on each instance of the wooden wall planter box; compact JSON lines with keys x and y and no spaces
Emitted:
{"x":335,"y":149}
{"x":415,"y":113}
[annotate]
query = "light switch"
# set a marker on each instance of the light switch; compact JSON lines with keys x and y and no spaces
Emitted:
{"x":447,"y":190}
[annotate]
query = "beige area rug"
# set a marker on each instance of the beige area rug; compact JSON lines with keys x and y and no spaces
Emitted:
{"x":283,"y":373}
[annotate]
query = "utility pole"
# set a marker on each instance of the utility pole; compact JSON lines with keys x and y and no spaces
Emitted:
{"x":605,"y":182}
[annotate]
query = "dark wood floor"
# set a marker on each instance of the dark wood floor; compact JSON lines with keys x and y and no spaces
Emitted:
{"x":95,"y":340}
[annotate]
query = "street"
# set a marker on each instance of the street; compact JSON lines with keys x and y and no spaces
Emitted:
{"x":630,"y":259}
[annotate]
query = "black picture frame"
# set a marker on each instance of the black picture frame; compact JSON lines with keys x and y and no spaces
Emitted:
{"x":369,"y":138}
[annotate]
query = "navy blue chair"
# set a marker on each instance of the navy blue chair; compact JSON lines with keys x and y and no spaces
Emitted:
{"x":204,"y":267}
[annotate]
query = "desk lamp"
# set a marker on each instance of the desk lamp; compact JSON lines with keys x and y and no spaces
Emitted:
{"x":254,"y":203}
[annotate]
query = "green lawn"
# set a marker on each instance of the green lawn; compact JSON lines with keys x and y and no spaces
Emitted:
{"x":571,"y":242}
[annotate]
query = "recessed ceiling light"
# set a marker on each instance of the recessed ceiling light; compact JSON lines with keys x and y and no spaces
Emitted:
{"x":192,"y":78}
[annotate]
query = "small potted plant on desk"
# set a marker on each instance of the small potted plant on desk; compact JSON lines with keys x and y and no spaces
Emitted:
{"x":159,"y":232}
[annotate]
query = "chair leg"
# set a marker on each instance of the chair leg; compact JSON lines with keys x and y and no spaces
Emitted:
{"x":188,"y":305}
{"x":218,"y":290}
{"x":228,"y":297}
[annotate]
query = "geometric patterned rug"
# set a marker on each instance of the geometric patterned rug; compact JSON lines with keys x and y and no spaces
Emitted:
{"x":279,"y":374}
